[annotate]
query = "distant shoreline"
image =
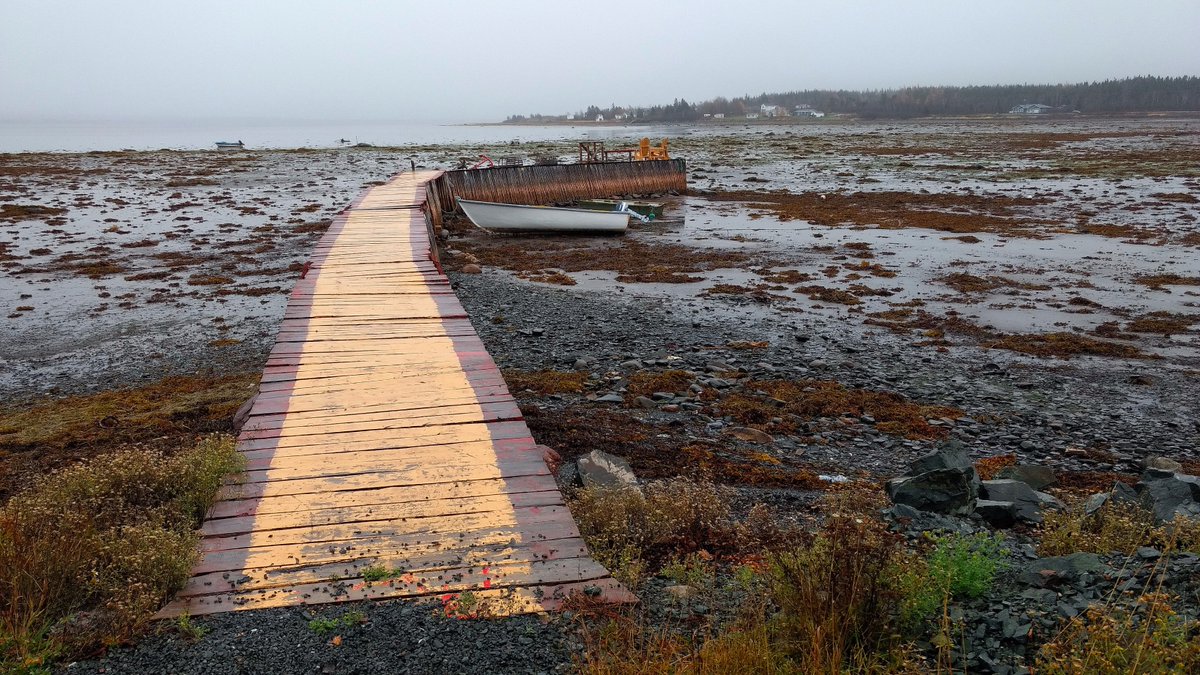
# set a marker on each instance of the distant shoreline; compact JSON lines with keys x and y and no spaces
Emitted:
{"x":832,"y":119}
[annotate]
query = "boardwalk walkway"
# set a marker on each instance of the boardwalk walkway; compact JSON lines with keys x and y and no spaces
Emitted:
{"x":384,"y":437}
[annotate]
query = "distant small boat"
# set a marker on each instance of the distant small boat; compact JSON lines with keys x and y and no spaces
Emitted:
{"x":519,"y":218}
{"x":229,"y":145}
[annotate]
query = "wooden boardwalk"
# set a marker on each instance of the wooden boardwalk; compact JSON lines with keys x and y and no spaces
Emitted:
{"x":384,"y":437}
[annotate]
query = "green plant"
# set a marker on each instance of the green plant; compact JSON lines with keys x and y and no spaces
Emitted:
{"x":957,"y":567}
{"x":189,"y":630}
{"x":323,"y":625}
{"x":691,"y":570}
{"x":87,"y":554}
{"x":379,"y":573}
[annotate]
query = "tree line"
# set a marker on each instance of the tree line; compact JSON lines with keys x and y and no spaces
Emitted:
{"x":1134,"y":94}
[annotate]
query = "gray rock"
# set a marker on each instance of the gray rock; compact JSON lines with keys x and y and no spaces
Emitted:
{"x":950,"y":491}
{"x":643,"y":402}
{"x":610,"y":398}
{"x":952,"y":455}
{"x":1168,"y":494}
{"x":1095,"y":503}
{"x":632,"y":364}
{"x":1035,"y":476}
{"x":1027,"y":506}
{"x":600,"y":469}
{"x":997,"y":514}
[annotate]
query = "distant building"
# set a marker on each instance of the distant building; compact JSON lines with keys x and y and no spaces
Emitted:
{"x":719,"y":116}
{"x":751,"y":116}
{"x":805,"y":110}
{"x":1030,"y":109}
{"x":619,"y":116}
{"x":599,"y":118}
{"x":772,"y":110}
{"x":570,"y":117}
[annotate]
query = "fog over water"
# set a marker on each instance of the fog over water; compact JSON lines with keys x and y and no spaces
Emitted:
{"x":313,"y":61}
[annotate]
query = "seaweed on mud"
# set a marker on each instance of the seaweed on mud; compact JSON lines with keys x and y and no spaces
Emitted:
{"x":893,"y":413}
{"x":547,"y":277}
{"x":628,"y":257}
{"x":894,"y":210}
{"x":654,"y":453}
{"x":969,"y":283}
{"x":1158,"y":281}
{"x":1064,"y":346}
{"x":13,"y":213}
{"x":825,"y":294}
{"x":1162,"y":323}
{"x":646,"y":383}
{"x":545,"y":382}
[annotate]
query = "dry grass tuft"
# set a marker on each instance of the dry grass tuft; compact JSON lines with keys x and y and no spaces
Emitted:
{"x":631,"y":530}
{"x":1146,"y":636}
{"x":1123,"y":528}
{"x":89,"y":553}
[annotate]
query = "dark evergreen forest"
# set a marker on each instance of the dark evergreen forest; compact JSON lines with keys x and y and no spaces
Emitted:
{"x":1135,"y":94}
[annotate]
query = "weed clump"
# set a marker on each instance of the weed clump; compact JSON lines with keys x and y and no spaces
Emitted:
{"x":629,"y":530}
{"x":87,"y":554}
{"x":1147,"y":636}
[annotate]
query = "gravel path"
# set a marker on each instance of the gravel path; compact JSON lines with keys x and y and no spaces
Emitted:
{"x":392,"y":637}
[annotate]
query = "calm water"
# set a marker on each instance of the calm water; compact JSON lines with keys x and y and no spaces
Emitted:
{"x":85,"y":136}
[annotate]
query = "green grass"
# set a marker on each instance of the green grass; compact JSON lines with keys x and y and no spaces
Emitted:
{"x":324,"y":626}
{"x":88,"y":554}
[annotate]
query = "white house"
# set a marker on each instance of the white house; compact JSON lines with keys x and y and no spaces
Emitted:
{"x":1031,"y":109}
{"x":807,"y":111}
{"x":751,"y":116}
{"x":719,"y":116}
{"x":599,"y":118}
{"x":772,"y":110}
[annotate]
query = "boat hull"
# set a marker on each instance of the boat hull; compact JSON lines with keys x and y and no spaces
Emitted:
{"x":519,"y":218}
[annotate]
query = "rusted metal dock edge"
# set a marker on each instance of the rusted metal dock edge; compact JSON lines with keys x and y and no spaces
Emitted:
{"x":384,"y":443}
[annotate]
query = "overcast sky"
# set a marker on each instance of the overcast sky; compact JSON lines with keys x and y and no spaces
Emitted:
{"x":453,"y":61}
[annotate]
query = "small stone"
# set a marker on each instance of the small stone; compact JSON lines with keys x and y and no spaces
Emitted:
{"x":643,"y":402}
{"x":1162,"y":463}
{"x":1148,"y":553}
{"x":1035,"y":476}
{"x":472,"y":268}
{"x":680,"y":591}
{"x":632,"y":364}
{"x":600,"y":469}
{"x":611,"y":398}
{"x":751,"y":435}
{"x":670,"y":408}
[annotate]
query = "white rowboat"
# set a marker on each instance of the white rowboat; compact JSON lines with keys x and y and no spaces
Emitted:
{"x":518,"y":218}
